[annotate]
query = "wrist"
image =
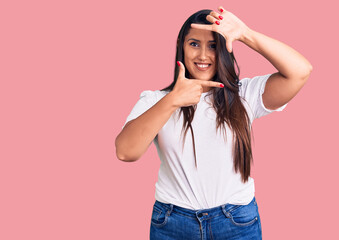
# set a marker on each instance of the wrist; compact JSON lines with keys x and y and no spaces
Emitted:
{"x":172,"y":100}
{"x":247,"y":35}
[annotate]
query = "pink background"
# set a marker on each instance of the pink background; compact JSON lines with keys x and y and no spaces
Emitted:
{"x":70,"y":73}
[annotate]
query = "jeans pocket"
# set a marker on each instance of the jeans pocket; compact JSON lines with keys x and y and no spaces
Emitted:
{"x":159,"y":215}
{"x":243,"y":215}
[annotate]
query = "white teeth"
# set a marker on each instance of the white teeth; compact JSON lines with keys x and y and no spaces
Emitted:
{"x":202,"y":65}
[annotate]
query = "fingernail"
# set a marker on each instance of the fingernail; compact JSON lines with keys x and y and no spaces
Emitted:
{"x":220,"y":17}
{"x":221,"y":10}
{"x":178,"y":63}
{"x":221,"y":85}
{"x":217,"y":22}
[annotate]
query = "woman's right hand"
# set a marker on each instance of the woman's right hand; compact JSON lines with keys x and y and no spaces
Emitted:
{"x":187,"y":92}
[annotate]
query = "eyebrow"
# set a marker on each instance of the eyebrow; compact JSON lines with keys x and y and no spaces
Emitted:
{"x":199,"y":40}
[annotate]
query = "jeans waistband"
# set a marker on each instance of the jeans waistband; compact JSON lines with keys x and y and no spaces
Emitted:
{"x":206,"y":213}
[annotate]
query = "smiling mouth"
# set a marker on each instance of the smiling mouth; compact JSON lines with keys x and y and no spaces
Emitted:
{"x":202,"y":67}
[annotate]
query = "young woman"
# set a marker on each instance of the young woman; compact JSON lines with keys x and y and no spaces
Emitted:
{"x":204,"y":189}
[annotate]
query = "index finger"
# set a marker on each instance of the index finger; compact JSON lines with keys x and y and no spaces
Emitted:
{"x":210,"y":83}
{"x":202,"y":26}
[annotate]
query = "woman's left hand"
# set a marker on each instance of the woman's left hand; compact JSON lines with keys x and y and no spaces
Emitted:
{"x":230,"y":27}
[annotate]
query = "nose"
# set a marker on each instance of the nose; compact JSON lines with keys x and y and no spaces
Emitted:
{"x":203,"y":53}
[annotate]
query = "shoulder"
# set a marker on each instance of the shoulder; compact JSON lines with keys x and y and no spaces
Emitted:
{"x":251,"y":87}
{"x":152,"y":95}
{"x":250,"y":93}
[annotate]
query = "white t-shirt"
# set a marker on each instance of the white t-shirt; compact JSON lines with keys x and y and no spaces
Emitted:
{"x":214,"y":181}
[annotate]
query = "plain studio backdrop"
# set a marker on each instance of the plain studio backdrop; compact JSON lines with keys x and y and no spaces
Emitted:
{"x":70,"y":73}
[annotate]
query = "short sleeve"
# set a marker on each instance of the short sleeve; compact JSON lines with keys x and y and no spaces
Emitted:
{"x":147,"y":99}
{"x":252,"y":89}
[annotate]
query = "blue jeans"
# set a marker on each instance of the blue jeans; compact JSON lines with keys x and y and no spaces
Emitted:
{"x":228,"y":221}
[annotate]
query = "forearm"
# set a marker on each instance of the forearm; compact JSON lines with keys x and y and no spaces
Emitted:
{"x":285,"y":59}
{"x":135,"y":138}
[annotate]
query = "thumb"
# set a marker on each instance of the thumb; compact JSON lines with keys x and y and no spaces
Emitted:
{"x":229,"y":46}
{"x":181,"y":70}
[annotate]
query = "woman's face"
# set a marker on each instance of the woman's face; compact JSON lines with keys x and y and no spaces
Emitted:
{"x":200,"y":48}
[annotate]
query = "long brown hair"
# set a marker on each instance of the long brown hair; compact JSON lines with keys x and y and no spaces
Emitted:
{"x":226,"y":101}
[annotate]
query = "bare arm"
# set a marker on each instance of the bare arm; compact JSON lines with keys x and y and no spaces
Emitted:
{"x":293,"y":68}
{"x":138,"y":134}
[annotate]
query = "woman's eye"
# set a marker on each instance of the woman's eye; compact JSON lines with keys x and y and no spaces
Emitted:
{"x":212,"y":46}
